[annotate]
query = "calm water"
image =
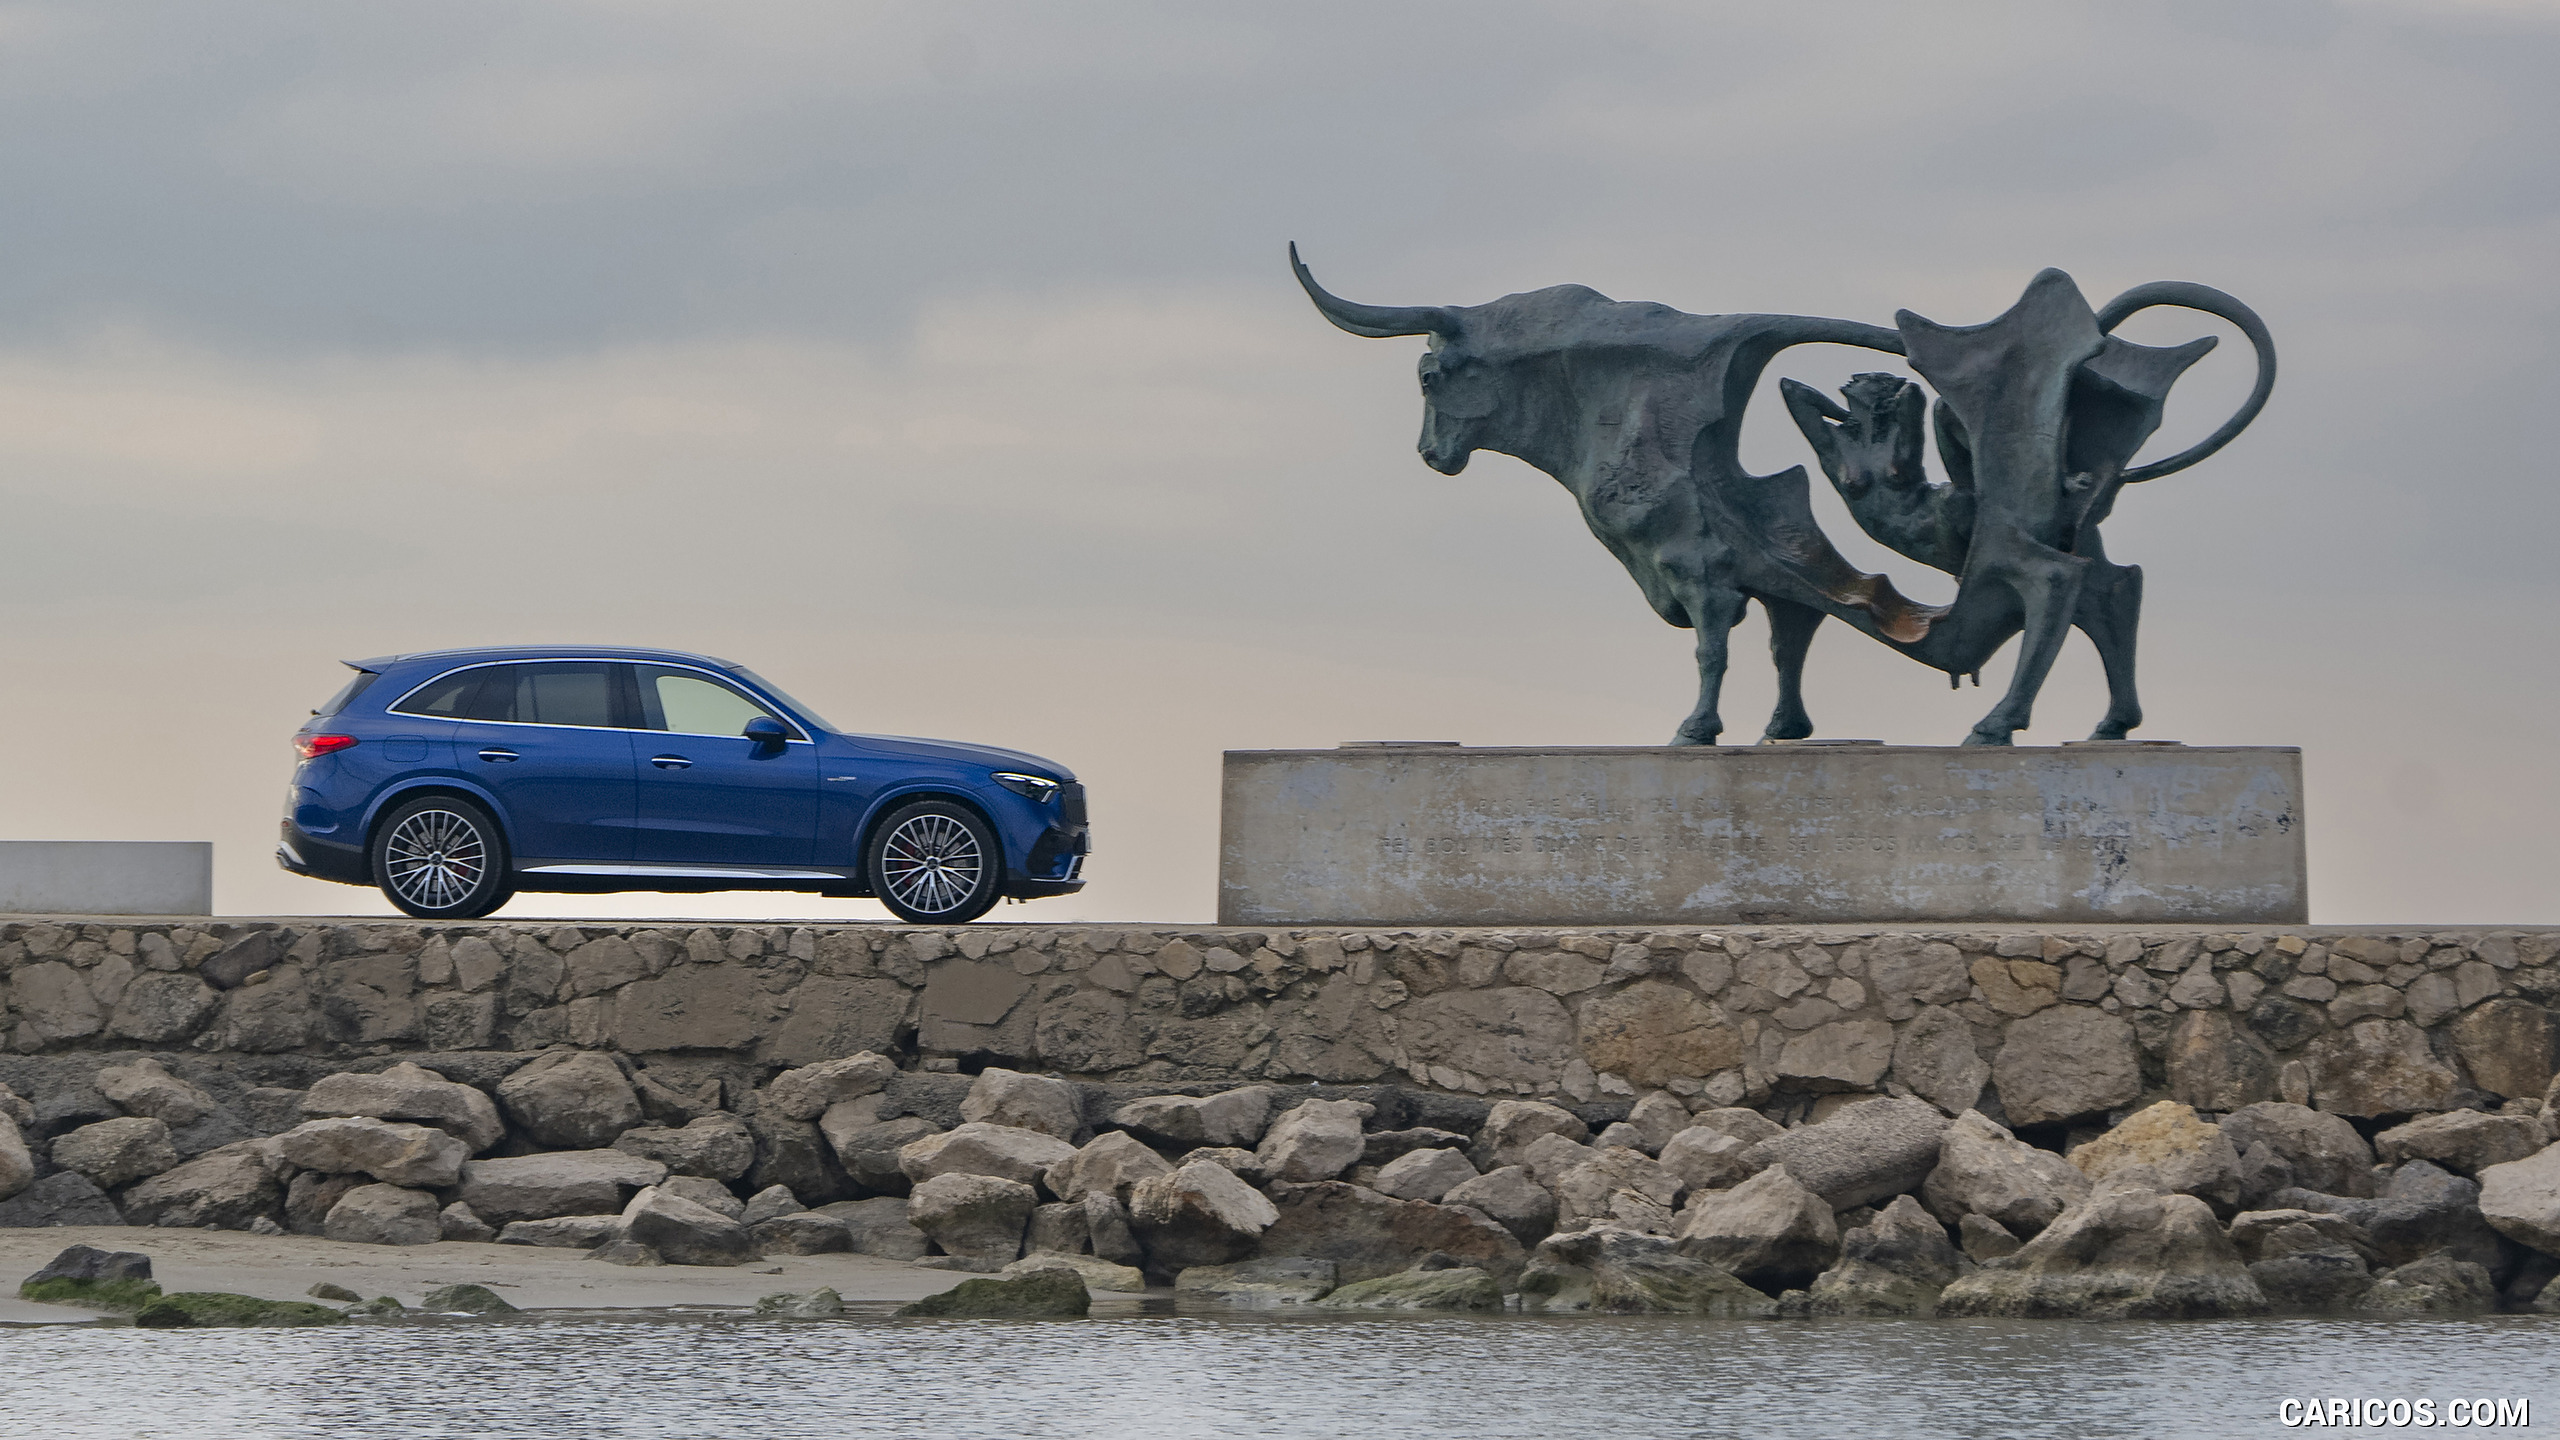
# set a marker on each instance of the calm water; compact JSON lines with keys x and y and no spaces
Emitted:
{"x":1264,"y":1377}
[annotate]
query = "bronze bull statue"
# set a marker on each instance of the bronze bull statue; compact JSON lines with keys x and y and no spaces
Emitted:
{"x":1637,"y":409}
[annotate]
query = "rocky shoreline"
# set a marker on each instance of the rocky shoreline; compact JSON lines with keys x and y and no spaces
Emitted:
{"x":1377,"y":1199}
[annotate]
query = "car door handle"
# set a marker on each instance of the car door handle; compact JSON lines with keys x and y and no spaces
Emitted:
{"x":496,"y":753}
{"x":834,"y":779}
{"x":670,"y":762}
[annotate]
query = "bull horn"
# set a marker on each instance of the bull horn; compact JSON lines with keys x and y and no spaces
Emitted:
{"x":1374,"y":321}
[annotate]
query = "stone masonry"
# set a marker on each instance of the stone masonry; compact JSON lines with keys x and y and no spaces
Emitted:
{"x":2038,"y":1027}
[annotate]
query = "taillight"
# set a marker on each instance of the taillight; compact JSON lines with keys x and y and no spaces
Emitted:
{"x":312,"y":747}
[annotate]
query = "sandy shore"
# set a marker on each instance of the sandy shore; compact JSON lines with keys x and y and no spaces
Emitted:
{"x":285,"y":1267}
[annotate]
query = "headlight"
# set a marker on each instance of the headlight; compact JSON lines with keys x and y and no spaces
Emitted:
{"x":1029,"y":787}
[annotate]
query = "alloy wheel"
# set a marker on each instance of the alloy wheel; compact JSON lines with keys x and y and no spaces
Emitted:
{"x":931,"y":864}
{"x":434,"y":859}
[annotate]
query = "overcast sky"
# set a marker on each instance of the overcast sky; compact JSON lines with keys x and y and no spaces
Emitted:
{"x":941,"y":362}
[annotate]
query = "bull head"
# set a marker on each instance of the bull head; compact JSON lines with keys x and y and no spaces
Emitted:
{"x":1460,"y":391}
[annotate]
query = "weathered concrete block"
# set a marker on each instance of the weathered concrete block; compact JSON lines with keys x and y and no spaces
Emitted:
{"x":1710,"y":835}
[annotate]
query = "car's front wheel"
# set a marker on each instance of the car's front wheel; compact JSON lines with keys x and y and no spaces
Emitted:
{"x":441,"y":858}
{"x":936,"y":863}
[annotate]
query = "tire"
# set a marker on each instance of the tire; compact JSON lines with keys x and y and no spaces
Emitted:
{"x":441,"y":857}
{"x":935,"y":863}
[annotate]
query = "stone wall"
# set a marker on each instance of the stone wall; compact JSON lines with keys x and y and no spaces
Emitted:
{"x":2040,"y":1027}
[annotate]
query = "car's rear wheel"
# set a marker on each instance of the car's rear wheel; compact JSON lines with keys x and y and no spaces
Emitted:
{"x":936,"y":863}
{"x":441,"y":857}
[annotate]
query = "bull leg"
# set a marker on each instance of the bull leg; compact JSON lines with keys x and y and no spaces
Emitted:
{"x":2110,"y":609}
{"x":1713,"y":614}
{"x":2047,"y":583}
{"x":1791,"y":628}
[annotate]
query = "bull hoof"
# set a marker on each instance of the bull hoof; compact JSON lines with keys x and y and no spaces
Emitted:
{"x":1987,"y":737}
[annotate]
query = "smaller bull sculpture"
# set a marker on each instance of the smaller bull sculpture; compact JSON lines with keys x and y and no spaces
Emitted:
{"x":1637,"y":409}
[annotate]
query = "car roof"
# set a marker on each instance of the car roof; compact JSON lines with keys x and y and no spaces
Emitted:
{"x":538,"y":652}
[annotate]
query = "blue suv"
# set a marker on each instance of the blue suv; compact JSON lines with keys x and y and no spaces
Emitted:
{"x":455,"y":778}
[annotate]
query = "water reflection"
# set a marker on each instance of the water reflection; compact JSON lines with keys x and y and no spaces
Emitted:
{"x":1248,"y":1374}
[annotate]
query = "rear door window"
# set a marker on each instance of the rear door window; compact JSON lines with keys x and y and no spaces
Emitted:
{"x":688,"y":702}
{"x":545,"y":692}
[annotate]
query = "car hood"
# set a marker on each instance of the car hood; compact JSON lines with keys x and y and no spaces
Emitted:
{"x":990,"y":756}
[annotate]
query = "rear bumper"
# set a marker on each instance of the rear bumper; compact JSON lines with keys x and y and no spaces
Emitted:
{"x":319,"y":859}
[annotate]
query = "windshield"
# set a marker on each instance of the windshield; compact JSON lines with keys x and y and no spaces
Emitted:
{"x":789,"y":701}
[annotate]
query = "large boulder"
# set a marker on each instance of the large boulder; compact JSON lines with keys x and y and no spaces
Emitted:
{"x":2379,"y":1067}
{"x":1654,"y":1032}
{"x":2128,"y":1252}
{"x":806,"y":1093}
{"x":1183,"y":1122}
{"x":1041,"y":1294}
{"x":1865,"y":1153}
{"x":2465,"y":1142}
{"x":1769,"y":1232}
{"x":1511,"y":1124}
{"x":311,"y":1195}
{"x":145,"y":1087}
{"x":1286,"y":1280}
{"x":415,"y":1093}
{"x":385,"y":1215}
{"x":1111,"y":1162}
{"x":2217,"y":1063}
{"x":17,"y":1163}
{"x":564,"y":1232}
{"x":1705,"y":1158}
{"x":1845,"y":1055}
{"x":225,"y":1189}
{"x":2185,"y":1154}
{"x":2510,"y":1046}
{"x":1097,"y":1274}
{"x":1317,"y":1140}
{"x":568,"y":1182}
{"x":684,"y":1233}
{"x":1657,"y":1116}
{"x":1201,"y":1214}
{"x":2423,"y":1208}
{"x":804,"y":1233}
{"x":711,"y":1195}
{"x":977,"y":1217}
{"x":2065,"y":1062}
{"x":878,"y":1227}
{"x":1617,"y":1184}
{"x":2303,"y":1260}
{"x":1025,"y":1102}
{"x":793,"y":1154}
{"x":64,"y":1197}
{"x":570,"y":1100}
{"x":1741,"y":1122}
{"x":418,"y":1156}
{"x":1108,"y":1232}
{"x":1895,"y":1264}
{"x":1512,"y":1198}
{"x":1610,"y":1269}
{"x":867,"y":1148}
{"x":1461,"y":1287}
{"x":2522,"y":1199}
{"x":2436,"y":1284}
{"x":1005,"y":1151}
{"x":1423,"y":1174}
{"x":117,"y":1152}
{"x":715,"y":1147}
{"x":1984,"y":1170}
{"x":1366,"y":1234}
{"x":1935,"y":1058}
{"x":2323,"y":1151}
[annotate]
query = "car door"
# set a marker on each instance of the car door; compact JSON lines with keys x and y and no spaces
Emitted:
{"x":708,"y":795}
{"x":542,"y":737}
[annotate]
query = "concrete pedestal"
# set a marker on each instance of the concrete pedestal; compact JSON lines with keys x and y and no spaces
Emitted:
{"x":1438,"y":835}
{"x":106,"y":877}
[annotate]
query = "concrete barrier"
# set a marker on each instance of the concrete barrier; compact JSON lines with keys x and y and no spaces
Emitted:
{"x":106,"y":877}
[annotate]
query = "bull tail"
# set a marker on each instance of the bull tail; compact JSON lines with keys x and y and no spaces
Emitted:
{"x":2213,"y":302}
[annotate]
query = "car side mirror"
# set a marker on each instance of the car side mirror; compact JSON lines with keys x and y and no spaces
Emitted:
{"x":766,"y":733}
